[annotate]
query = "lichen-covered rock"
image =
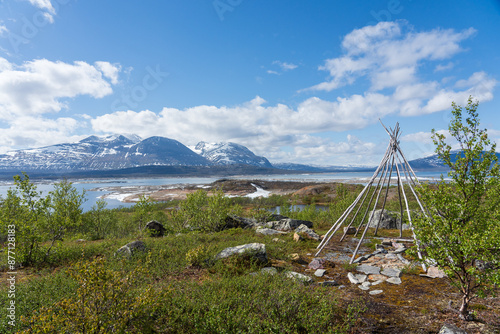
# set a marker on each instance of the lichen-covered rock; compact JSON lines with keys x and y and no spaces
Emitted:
{"x":306,"y":232}
{"x":254,"y":249}
{"x":267,"y":231}
{"x":288,"y":224}
{"x":298,"y":276}
{"x":131,"y":248}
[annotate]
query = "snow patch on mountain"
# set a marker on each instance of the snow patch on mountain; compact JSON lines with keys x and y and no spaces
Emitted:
{"x":228,"y":153}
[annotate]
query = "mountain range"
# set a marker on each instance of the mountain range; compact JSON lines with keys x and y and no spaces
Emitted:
{"x":119,"y":152}
{"x":130,"y":154}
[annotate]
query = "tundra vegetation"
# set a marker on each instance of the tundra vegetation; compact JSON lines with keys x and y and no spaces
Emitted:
{"x":70,"y":281}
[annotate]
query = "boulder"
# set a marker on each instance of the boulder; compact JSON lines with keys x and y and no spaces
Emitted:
{"x":386,"y":219}
{"x":306,"y":232}
{"x":131,"y":248}
{"x":288,"y":224}
{"x":255,"y":249}
{"x":267,"y":231}
{"x":155,"y":228}
{"x":233,"y":221}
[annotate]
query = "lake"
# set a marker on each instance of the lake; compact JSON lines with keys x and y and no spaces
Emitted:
{"x":95,"y":188}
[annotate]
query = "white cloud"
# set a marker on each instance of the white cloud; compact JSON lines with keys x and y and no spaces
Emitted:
{"x":445,"y":67}
{"x":45,"y":5}
{"x":30,"y":131}
{"x":264,"y":129}
{"x":110,"y":71}
{"x":283,"y":67}
{"x":3,"y":29}
{"x":388,"y":54}
{"x":40,"y":86}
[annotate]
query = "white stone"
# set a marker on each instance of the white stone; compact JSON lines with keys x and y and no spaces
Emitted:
{"x":319,"y":272}
{"x":394,"y":280}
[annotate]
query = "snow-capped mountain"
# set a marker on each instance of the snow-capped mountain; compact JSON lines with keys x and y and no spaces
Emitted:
{"x":230,"y":154}
{"x":102,"y":153}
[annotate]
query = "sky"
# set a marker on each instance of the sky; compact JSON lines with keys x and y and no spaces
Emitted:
{"x":295,"y":81}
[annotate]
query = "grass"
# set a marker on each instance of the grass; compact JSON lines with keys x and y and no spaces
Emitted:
{"x":174,"y":287}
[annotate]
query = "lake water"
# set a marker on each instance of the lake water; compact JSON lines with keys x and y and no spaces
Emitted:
{"x":100,"y":187}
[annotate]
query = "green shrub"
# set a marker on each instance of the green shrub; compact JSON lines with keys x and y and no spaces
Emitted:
{"x":201,"y":211}
{"x":105,"y":301}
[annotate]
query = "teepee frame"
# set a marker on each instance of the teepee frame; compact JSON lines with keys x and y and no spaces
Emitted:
{"x":394,"y":161}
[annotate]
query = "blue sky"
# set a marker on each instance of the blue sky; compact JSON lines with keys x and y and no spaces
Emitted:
{"x":295,"y":81}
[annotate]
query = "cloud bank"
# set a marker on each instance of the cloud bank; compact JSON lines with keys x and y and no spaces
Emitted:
{"x":386,"y":64}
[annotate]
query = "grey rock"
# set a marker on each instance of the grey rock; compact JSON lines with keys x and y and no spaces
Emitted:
{"x":366,"y":284}
{"x":267,"y":231}
{"x":319,"y":272}
{"x":255,"y":249}
{"x":399,"y":250}
{"x":328,"y":283}
{"x":361,"y":278}
{"x":385,"y":219}
{"x":451,"y":329}
{"x":352,"y":278}
{"x":391,"y":256}
{"x":402,"y":259}
{"x":303,"y":229}
{"x":316,"y":263}
{"x":131,"y":248}
{"x":391,"y":272}
{"x":298,"y":276}
{"x":394,"y":280}
{"x":377,"y":282}
{"x":360,"y":259}
{"x":338,"y":257}
{"x":375,"y":292}
{"x":288,"y":224}
{"x":435,"y":272}
{"x":269,"y":270}
{"x":233,"y":221}
{"x":369,"y":270}
{"x":155,"y":228}
{"x":362,"y":287}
